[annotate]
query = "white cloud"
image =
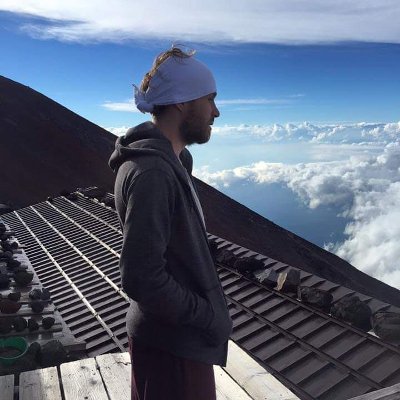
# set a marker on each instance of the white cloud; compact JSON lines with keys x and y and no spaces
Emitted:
{"x":119,"y":131}
{"x":351,"y":134}
{"x":262,"y":21}
{"x":366,"y":189}
{"x":127,"y":106}
{"x":251,"y":102}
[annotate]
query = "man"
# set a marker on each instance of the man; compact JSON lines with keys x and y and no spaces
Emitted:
{"x":178,"y":323}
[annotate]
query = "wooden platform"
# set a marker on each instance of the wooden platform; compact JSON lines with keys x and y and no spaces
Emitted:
{"x":107,"y":377}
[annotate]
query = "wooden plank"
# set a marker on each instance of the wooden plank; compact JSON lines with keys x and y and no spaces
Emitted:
{"x":253,"y":378}
{"x":7,"y":387}
{"x":41,"y":384}
{"x":227,"y":388}
{"x":82,"y":380}
{"x":389,"y":393}
{"x":115,"y":370}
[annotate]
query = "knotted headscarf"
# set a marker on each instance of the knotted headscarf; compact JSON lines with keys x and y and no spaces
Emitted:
{"x":176,"y":80}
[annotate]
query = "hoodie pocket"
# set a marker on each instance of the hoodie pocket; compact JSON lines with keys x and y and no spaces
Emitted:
{"x":220,"y":328}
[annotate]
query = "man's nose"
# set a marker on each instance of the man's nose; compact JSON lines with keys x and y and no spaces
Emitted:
{"x":216,"y":111}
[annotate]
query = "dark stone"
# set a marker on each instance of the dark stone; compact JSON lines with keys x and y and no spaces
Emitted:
{"x":268,"y":277}
{"x":32,"y":325}
{"x":48,"y":322}
{"x":23,"y":278}
{"x":37,"y":306}
{"x":316,"y":298}
{"x":13,"y":263}
{"x":10,"y":245}
{"x":387,"y":326}
{"x":247,"y":264}
{"x":45,"y":294}
{"x":19,"y":323}
{"x":34,"y":350}
{"x":72,"y":196}
{"x":9,"y":307}
{"x":52,"y":354}
{"x":35,"y":294}
{"x":14,"y":296}
{"x":5,"y":325}
{"x":352,"y":310}
{"x":50,"y":199}
{"x":93,"y":192}
{"x":4,"y":281}
{"x":21,"y":268}
{"x":213,"y":249}
{"x":7,"y":255}
{"x":109,"y":202}
{"x":227,"y":258}
{"x":288,"y":281}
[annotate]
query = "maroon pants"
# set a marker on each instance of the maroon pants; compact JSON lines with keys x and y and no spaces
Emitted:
{"x":158,"y":375}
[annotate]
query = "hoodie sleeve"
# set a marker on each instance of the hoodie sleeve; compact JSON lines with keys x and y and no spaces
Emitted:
{"x":150,"y":207}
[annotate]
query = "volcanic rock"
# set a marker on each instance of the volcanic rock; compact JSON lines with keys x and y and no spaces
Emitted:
{"x":13,"y":263}
{"x":32,"y":325}
{"x":316,"y":298}
{"x":37,"y":306}
{"x":48,"y":322}
{"x":226,"y":257}
{"x":352,"y":310}
{"x":213,"y":249}
{"x":268,"y":277}
{"x":52,"y":353}
{"x":288,"y":281}
{"x":5,"y":325}
{"x":19,"y":323}
{"x":248,"y":264}
{"x":9,"y":307}
{"x":387,"y":326}
{"x":23,"y":278}
{"x":35,"y":294}
{"x":14,"y":296}
{"x":4,"y":281}
{"x":45,"y":294}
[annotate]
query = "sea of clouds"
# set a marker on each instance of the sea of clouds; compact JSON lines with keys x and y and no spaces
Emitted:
{"x":351,"y":168}
{"x":364,"y":186}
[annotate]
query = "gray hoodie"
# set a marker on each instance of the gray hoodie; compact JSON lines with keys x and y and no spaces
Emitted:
{"x":177,"y":303}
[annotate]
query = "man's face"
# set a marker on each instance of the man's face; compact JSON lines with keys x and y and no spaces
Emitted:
{"x":198,"y":118}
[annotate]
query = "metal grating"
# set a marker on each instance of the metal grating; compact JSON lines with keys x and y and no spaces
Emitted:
{"x":306,"y":278}
{"x":74,"y":247}
{"x":315,"y":355}
{"x":76,"y":254}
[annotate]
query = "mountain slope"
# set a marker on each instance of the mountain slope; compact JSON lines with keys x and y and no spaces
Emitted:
{"x":46,"y":148}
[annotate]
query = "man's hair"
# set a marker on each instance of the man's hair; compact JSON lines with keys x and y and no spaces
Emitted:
{"x":173,"y":52}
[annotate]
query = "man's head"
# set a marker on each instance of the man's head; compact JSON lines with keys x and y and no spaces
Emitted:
{"x":182,"y":88}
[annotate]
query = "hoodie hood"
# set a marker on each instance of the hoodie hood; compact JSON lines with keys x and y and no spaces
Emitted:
{"x":147,"y":139}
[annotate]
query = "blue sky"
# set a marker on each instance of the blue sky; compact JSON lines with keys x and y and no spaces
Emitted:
{"x":308,"y":93}
{"x":267,"y":83}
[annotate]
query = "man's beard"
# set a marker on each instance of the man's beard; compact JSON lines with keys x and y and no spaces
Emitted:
{"x":194,"y":130}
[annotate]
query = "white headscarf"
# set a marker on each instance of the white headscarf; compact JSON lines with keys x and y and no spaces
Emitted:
{"x":176,"y":80}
